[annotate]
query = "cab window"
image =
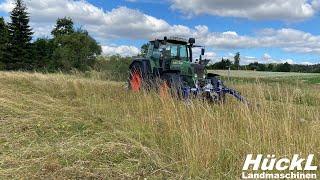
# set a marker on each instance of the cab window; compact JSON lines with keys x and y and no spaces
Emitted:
{"x":150,"y":50}
{"x":183,"y":52}
{"x":174,"y":51}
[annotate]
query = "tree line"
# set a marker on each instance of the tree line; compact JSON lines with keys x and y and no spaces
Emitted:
{"x":69,"y":48}
{"x":256,"y":66}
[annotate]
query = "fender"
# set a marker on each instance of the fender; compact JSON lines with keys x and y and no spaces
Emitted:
{"x":212,"y":75}
{"x":145,"y":64}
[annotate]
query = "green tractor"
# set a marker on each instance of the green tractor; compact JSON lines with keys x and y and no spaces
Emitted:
{"x":169,"y":64}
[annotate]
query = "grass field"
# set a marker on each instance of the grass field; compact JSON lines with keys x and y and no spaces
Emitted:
{"x":68,"y":126}
{"x":282,"y":77}
{"x":264,"y":74}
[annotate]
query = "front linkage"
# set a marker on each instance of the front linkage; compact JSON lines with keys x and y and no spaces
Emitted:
{"x":211,"y":89}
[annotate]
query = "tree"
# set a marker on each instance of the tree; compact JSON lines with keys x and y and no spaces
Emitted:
{"x":223,"y":64}
{"x":20,"y":35}
{"x":237,"y":60}
{"x":4,"y":35}
{"x":144,"y":49}
{"x":77,"y":50}
{"x":253,"y":66}
{"x":64,"y":26}
{"x":43,"y":54}
{"x":286,"y":67}
{"x":73,"y":49}
{"x":270,"y":67}
{"x":316,"y":68}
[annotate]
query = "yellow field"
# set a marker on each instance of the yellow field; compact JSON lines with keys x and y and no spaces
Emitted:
{"x":63,"y":126}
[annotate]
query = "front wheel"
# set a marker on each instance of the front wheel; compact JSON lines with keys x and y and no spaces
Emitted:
{"x":172,"y":83}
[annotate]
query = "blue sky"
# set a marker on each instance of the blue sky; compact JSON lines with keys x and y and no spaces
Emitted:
{"x":265,"y":31}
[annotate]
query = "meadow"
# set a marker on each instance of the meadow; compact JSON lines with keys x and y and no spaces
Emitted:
{"x":79,"y":126}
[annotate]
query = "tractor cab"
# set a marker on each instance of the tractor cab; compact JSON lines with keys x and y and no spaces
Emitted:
{"x":172,"y":55}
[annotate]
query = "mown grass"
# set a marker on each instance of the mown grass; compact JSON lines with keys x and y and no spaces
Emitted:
{"x":67,"y":126}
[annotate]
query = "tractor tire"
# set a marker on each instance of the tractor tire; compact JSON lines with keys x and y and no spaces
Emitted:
{"x":136,"y":81}
{"x":172,"y":82}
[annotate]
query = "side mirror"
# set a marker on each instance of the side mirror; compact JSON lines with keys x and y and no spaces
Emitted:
{"x":203,"y":51}
{"x":156,"y":44}
{"x":192,"y":40}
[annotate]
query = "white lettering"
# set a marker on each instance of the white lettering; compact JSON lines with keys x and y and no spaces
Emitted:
{"x":255,"y":162}
{"x":280,"y":166}
{"x":265,"y":166}
{"x":296,"y":163}
{"x":309,"y":166}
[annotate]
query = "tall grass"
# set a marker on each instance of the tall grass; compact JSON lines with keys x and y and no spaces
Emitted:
{"x":59,"y":126}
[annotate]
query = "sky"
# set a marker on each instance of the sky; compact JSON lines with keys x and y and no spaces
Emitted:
{"x":267,"y":31}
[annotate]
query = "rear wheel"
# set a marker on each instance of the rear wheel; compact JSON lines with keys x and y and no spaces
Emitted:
{"x":164,"y":89}
{"x":135,"y":82}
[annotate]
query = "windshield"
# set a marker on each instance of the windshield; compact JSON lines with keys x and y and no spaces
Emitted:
{"x":175,"y":51}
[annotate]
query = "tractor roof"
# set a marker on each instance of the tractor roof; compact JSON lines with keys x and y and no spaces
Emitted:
{"x":174,"y":40}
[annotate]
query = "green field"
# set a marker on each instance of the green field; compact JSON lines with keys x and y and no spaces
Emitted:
{"x":60,"y":126}
{"x":286,"y":77}
{"x":264,"y":74}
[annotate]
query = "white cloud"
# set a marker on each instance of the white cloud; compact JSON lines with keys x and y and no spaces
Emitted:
{"x":292,"y":10}
{"x":316,"y":4}
{"x":230,"y":34}
{"x":266,"y":58}
{"x":289,"y":40}
{"x":244,"y":59}
{"x":42,"y":31}
{"x":121,"y":22}
{"x":307,"y":63}
{"x":209,"y":54}
{"x":290,"y":61}
{"x":120,"y":50}
{"x":6,"y":6}
{"x":248,"y":60}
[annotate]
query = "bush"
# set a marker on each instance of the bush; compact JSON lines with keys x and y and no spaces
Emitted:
{"x":113,"y":67}
{"x":2,"y":66}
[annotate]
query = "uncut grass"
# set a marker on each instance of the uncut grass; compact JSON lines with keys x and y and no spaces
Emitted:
{"x":62,"y":126}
